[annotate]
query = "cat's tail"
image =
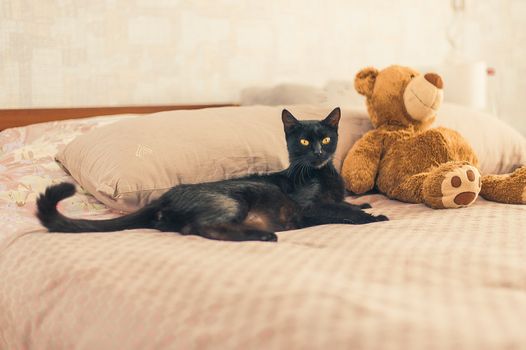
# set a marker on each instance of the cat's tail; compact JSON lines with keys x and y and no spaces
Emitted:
{"x":54,"y":221}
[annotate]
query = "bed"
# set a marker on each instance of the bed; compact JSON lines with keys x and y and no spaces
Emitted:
{"x":427,"y":279}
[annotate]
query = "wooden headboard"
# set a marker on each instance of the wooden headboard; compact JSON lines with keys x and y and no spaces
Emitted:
{"x":10,"y":118}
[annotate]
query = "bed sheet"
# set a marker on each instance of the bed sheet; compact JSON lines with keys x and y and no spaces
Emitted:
{"x":427,"y":279}
{"x":28,"y":166}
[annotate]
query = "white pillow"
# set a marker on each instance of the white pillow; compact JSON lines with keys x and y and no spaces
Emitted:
{"x":333,"y":93}
{"x":283,"y":94}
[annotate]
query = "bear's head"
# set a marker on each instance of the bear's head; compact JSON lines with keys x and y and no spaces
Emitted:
{"x":400,"y":96}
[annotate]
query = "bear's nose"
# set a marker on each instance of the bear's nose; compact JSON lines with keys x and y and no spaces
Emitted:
{"x":434,"y":79}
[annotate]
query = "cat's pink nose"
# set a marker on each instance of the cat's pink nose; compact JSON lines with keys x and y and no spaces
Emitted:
{"x":434,"y":79}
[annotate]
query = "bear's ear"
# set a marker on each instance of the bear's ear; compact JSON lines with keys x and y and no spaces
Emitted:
{"x":364,"y":81}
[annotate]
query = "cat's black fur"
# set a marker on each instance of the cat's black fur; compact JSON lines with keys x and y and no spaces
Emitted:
{"x":309,"y":192}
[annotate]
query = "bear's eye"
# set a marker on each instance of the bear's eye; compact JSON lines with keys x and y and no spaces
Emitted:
{"x":412,"y":76}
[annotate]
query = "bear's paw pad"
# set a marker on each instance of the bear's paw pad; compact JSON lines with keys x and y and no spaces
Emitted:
{"x":460,"y":187}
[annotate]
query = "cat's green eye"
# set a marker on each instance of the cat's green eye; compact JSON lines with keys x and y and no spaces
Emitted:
{"x":304,"y":142}
{"x":326,"y":140}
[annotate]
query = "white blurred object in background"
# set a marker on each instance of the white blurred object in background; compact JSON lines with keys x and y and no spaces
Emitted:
{"x":493,"y":91}
{"x":465,"y":78}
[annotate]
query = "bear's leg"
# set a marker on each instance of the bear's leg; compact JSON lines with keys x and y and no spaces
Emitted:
{"x":410,"y":189}
{"x":507,"y":188}
{"x":451,"y":185}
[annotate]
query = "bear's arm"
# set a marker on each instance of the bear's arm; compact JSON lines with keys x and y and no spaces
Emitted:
{"x":361,"y":163}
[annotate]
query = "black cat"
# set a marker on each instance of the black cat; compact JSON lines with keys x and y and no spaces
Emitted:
{"x":309,"y":192}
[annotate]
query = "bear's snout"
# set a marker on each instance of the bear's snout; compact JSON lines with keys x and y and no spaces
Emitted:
{"x":423,"y":95}
{"x":434,"y":79}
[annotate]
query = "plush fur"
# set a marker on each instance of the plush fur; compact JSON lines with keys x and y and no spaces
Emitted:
{"x":406,"y":160}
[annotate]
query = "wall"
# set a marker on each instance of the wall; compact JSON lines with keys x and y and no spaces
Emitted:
{"x":113,"y":52}
{"x":135,"y":52}
{"x":496,"y":30}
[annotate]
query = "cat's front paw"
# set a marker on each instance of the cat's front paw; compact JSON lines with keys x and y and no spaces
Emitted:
{"x":359,"y":206}
{"x":365,"y":218}
{"x":264,"y":236}
{"x":381,"y":218}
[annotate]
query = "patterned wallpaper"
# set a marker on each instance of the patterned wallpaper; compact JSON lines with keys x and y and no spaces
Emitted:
{"x":136,"y":52}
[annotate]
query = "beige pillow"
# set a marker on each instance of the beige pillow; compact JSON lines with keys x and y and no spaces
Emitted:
{"x":499,"y":147}
{"x":129,"y":163}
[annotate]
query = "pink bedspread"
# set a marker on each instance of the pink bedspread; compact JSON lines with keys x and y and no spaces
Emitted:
{"x":27,"y":167}
{"x":427,"y":279}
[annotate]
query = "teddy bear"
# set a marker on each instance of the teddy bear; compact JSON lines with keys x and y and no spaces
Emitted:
{"x":406,"y":160}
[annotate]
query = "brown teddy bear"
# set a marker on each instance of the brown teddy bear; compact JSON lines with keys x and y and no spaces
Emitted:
{"x":407,"y":161}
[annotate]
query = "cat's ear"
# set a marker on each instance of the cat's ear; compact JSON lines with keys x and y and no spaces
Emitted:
{"x":289,"y":122}
{"x":333,"y":118}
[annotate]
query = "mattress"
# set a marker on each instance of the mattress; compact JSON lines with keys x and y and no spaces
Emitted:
{"x":427,"y":279}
